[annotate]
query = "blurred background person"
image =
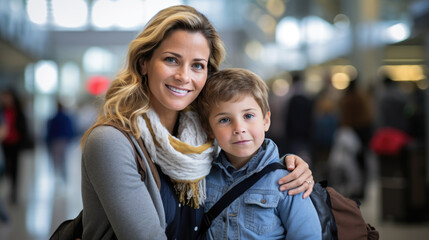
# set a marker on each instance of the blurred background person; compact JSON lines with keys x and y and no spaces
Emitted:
{"x":325,"y":125}
{"x":348,"y":158}
{"x":15,"y":137}
{"x":60,"y":131}
{"x":299,"y":120}
{"x":3,"y":213}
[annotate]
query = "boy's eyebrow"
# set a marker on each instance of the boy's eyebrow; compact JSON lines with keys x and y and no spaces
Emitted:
{"x":244,"y":110}
{"x":221,"y":114}
{"x":180,"y":56}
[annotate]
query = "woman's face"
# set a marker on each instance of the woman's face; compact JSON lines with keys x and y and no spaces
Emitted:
{"x":177,"y":70}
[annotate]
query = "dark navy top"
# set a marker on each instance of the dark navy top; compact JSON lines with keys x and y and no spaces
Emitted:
{"x":183,"y":221}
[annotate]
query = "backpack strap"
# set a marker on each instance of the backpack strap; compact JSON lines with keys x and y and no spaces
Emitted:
{"x":232,"y":194}
{"x":141,"y":166}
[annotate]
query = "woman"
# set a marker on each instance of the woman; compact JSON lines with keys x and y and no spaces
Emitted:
{"x":167,"y":66}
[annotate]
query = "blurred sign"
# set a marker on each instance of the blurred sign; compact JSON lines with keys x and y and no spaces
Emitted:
{"x":97,"y":85}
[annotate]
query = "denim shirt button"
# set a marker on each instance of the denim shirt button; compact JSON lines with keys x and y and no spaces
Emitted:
{"x":263,"y":201}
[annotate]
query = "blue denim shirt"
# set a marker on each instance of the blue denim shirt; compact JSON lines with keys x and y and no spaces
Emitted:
{"x":263,"y":211}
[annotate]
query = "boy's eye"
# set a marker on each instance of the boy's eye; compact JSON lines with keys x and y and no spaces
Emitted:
{"x":248,"y":116}
{"x":224,"y":120}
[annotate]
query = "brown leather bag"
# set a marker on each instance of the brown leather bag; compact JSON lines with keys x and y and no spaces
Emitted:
{"x":348,"y":218}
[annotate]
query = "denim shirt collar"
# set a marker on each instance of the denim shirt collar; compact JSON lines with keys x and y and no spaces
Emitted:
{"x":265,"y":154}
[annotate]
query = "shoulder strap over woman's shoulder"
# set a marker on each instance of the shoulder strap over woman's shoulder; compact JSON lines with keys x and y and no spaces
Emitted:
{"x":141,"y":166}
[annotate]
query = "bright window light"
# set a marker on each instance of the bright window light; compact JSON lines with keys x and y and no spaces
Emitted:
{"x":46,"y":76}
{"x":69,"y":13}
{"x":397,"y":33}
{"x":317,"y":30}
{"x":97,"y":60}
{"x":37,"y":11}
{"x":288,"y":33}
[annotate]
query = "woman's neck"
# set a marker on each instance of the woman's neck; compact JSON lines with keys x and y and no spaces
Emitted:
{"x":168,"y":120}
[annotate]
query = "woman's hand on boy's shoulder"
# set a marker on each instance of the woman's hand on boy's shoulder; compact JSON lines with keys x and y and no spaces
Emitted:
{"x":300,"y":178}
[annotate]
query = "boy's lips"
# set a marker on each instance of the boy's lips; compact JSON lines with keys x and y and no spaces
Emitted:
{"x":241,"y":142}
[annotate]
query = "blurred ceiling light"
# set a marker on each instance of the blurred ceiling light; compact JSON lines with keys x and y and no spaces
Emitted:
{"x":102,"y":10}
{"x":404,"y":72}
{"x":29,"y":77}
{"x":288,"y":33}
{"x":423,"y":84}
{"x":129,"y":13}
{"x":267,"y":24}
{"x":276,"y":7}
{"x":313,"y":83}
{"x":46,"y":76}
{"x":340,"y":80}
{"x":254,"y":49}
{"x":151,"y":7}
{"x":69,"y":82}
{"x":341,"y":21}
{"x":37,"y":11}
{"x":317,"y":30}
{"x":348,"y":69}
{"x":280,"y":87}
{"x":97,"y":60}
{"x":69,"y":14}
{"x":397,"y":33}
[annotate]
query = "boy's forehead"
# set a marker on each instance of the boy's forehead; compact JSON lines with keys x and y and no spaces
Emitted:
{"x":236,"y":99}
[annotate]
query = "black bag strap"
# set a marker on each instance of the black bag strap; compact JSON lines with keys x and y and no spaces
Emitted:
{"x":232,"y":194}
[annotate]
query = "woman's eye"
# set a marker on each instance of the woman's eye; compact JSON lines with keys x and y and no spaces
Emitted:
{"x":199,"y":66}
{"x":248,"y":116}
{"x":171,"y":59}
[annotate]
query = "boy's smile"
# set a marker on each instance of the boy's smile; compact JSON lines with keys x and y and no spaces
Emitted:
{"x":239,"y":128}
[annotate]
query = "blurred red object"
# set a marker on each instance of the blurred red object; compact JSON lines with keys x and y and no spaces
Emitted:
{"x":389,"y":141}
{"x":97,"y":85}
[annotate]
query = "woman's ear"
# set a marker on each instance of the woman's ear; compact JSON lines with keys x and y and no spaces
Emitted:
{"x":267,"y":121}
{"x":143,"y":67}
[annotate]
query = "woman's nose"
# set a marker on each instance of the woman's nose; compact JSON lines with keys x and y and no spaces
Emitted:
{"x":182,"y":75}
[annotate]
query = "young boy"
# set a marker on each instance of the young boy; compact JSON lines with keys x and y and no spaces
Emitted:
{"x":236,"y":113}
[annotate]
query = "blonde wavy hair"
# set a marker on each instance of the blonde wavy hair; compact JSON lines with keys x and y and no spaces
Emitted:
{"x":128,"y":96}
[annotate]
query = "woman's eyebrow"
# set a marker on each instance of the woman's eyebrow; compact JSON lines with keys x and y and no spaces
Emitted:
{"x":180,"y":56}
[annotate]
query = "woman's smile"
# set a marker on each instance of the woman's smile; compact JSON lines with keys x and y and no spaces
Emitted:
{"x":177,"y":91}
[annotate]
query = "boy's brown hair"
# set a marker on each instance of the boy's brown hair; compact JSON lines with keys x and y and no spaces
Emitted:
{"x":231,"y":84}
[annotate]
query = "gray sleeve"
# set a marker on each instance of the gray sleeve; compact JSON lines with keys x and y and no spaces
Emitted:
{"x":112,"y":190}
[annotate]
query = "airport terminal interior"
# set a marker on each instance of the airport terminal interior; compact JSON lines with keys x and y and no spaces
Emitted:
{"x":62,"y":55}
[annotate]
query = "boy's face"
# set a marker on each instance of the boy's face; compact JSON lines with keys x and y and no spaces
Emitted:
{"x":239,"y":127}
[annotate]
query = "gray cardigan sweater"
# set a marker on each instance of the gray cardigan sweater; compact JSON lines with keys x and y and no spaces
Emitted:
{"x":115,"y":200}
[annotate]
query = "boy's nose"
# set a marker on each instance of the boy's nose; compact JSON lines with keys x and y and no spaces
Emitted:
{"x":239,"y":130}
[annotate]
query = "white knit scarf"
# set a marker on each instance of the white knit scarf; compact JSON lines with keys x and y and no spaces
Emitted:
{"x":186,"y":159}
